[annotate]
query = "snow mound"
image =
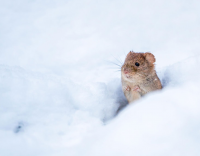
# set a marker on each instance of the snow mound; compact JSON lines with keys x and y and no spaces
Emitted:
{"x":49,"y":115}
{"x":162,"y":123}
{"x":45,"y":110}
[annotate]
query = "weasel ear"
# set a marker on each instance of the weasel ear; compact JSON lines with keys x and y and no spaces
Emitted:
{"x":150,"y":57}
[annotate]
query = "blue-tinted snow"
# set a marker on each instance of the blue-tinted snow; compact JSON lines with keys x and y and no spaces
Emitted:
{"x":60,"y":91}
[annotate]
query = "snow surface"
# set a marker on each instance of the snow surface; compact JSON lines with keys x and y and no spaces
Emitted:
{"x":60,"y":91}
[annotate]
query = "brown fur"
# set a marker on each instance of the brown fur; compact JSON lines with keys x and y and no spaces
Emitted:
{"x":139,"y":80}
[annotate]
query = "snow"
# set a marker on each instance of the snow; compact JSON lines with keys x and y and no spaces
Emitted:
{"x":60,"y":90}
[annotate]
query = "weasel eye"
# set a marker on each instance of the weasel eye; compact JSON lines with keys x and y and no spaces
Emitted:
{"x":137,"y":64}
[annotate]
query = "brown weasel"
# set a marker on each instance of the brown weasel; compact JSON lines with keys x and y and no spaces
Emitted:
{"x":138,"y":75}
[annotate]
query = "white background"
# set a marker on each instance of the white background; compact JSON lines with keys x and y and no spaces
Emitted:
{"x":60,"y":87}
